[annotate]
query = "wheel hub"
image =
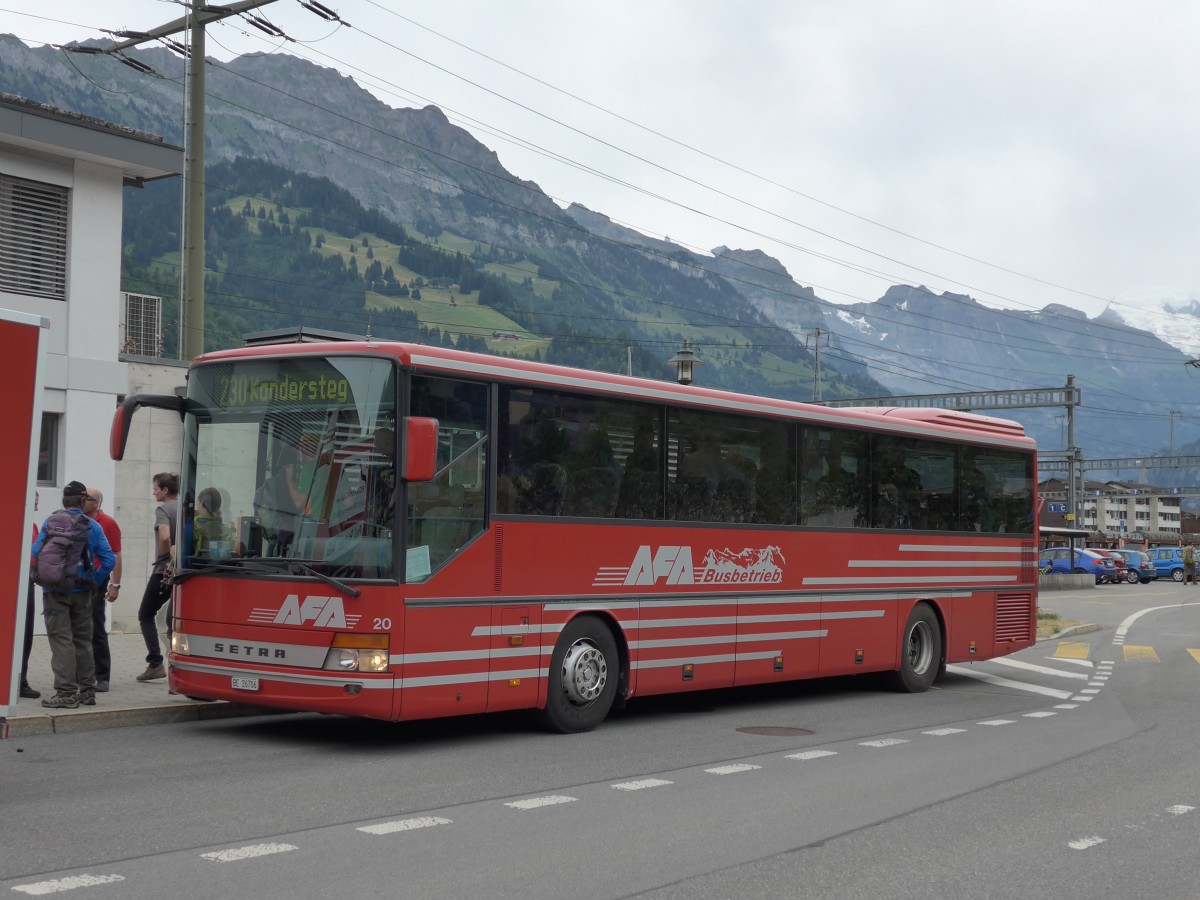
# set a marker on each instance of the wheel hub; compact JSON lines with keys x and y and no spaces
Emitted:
{"x":920,"y":648}
{"x":584,"y":673}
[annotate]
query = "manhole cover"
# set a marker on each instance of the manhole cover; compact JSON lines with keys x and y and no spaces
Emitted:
{"x":774,"y":730}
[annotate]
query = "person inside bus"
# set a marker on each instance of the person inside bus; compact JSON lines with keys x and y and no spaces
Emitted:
{"x":210,"y":536}
{"x":381,"y":478}
{"x":279,"y":503}
{"x":696,"y":483}
{"x":640,"y":494}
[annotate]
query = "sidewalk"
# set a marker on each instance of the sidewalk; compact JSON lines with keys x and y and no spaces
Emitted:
{"x":128,"y":701}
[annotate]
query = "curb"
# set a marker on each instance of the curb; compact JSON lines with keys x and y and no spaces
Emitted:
{"x":1073,"y":630}
{"x":74,"y":722}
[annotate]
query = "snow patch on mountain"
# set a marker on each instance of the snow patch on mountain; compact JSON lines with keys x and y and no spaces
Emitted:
{"x":1170,"y":314}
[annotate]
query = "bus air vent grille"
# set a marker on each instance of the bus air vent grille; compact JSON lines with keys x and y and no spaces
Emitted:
{"x":1014,"y":617}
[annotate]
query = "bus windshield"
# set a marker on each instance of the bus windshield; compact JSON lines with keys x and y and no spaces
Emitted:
{"x":290,"y":465}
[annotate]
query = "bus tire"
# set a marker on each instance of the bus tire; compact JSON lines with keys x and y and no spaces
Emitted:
{"x":920,"y":652}
{"x":584,"y":672}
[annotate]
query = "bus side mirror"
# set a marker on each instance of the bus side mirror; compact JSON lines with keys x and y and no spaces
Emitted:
{"x":118,"y":435}
{"x":420,"y":448}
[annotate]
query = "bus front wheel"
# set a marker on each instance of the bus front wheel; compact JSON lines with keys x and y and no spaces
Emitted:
{"x":584,"y":672}
{"x":920,"y":652}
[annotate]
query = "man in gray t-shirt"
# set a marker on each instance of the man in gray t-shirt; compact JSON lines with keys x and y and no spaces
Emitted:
{"x":158,"y":588}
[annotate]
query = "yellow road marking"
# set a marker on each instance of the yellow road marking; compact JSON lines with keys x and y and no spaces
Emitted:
{"x":1195,"y":655}
{"x":1073,"y":650}
{"x":1145,"y":654}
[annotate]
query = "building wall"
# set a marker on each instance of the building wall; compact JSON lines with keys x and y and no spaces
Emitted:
{"x":155,"y":445}
{"x":83,"y":375}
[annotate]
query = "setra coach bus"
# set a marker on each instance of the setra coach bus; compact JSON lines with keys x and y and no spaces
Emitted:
{"x":404,"y":532}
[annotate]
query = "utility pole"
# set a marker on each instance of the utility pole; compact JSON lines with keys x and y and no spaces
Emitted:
{"x":199,"y":15}
{"x":816,"y":334}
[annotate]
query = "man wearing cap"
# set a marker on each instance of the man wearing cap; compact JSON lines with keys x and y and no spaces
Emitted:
{"x":68,"y":614}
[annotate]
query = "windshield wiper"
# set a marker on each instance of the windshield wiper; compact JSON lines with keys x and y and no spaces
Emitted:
{"x":270,"y":565}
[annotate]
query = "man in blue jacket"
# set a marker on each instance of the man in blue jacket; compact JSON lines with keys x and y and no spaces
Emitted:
{"x":68,"y":613}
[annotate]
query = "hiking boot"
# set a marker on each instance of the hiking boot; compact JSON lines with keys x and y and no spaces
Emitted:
{"x":61,"y":701}
{"x":86,"y":698}
{"x":28,"y":693}
{"x":153,"y":672}
{"x":102,"y":687}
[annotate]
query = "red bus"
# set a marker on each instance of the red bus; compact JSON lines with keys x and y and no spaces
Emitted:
{"x":403,"y":532}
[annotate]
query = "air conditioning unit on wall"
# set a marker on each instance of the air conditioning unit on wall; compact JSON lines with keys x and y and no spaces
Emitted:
{"x":141,"y":325}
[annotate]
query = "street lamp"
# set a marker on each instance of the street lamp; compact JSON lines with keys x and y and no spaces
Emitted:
{"x":684,"y":362}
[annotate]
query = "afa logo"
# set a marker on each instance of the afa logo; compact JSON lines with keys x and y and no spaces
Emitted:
{"x":320,"y":612}
{"x":670,"y":565}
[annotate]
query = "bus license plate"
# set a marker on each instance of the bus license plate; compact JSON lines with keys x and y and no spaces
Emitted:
{"x":245,"y":684}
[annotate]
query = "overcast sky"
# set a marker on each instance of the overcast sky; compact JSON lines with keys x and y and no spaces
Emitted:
{"x":1024,"y":153}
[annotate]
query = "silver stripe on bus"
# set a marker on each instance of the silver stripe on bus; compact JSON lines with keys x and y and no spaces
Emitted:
{"x":702,"y":660}
{"x":416,"y":659}
{"x":874,"y":597}
{"x":591,"y":602}
{"x":957,"y":548}
{"x":916,"y":579}
{"x":940,"y":563}
{"x":331,"y":678}
{"x":469,"y":678}
{"x":727,"y":639}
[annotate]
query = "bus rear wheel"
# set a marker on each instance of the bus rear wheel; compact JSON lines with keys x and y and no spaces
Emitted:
{"x":920,"y":652}
{"x":584,"y":674}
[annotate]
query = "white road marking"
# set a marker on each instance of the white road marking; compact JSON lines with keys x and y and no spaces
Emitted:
{"x":1080,"y":699}
{"x":538,"y":802}
{"x":1087,"y":663}
{"x":405,"y":825}
{"x":1099,"y":682}
{"x":1084,"y":843}
{"x":66,"y":884}
{"x":995,"y":722}
{"x":1042,"y":714}
{"x":1045,"y":670}
{"x":732,"y":770}
{"x":942,"y":732}
{"x":238,"y":853}
{"x":1005,"y":682}
{"x":884,"y":742}
{"x":642,"y":784}
{"x":812,"y":754}
{"x":1179,"y":809}
{"x":1066,"y":706}
{"x":1123,"y":628}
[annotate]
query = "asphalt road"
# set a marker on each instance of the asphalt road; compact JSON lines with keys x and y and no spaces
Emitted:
{"x":1072,"y":773}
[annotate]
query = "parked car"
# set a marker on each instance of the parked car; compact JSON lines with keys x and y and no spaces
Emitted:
{"x":1118,"y":561}
{"x":1081,"y":562}
{"x":1141,"y":567}
{"x":1168,"y":561}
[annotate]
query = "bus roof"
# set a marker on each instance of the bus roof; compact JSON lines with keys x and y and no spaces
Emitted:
{"x":919,"y":422}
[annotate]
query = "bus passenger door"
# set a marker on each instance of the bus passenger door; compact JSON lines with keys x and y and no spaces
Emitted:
{"x":516,"y":657}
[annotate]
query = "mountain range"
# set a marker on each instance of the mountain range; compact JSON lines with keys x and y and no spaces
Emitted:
{"x":577,"y":287}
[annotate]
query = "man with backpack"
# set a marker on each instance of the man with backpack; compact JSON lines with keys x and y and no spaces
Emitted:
{"x":71,"y":557}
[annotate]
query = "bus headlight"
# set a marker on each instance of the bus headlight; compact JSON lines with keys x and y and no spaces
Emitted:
{"x":179,"y":643}
{"x":358,"y":653}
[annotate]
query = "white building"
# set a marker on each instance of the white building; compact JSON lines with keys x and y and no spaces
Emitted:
{"x":61,"y":182}
{"x":1118,"y":510}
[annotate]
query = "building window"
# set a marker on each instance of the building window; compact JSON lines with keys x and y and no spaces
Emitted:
{"x":47,"y":463}
{"x":33,"y":238}
{"x":141,"y":325}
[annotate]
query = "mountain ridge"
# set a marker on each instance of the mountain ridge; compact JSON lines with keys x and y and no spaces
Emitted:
{"x":740,"y":306}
